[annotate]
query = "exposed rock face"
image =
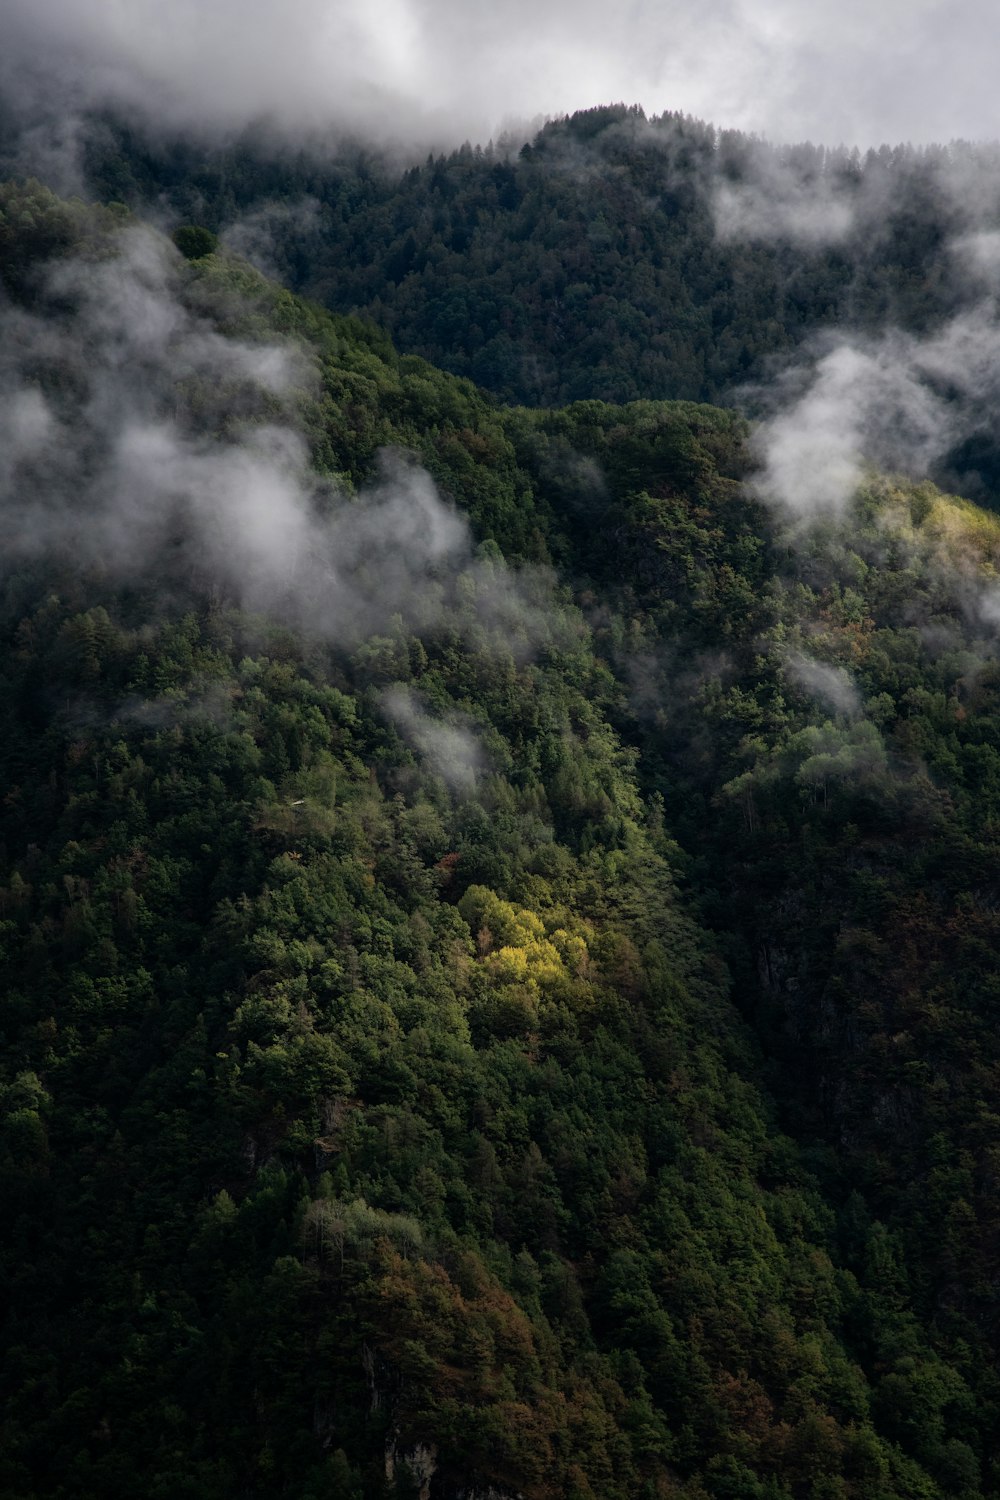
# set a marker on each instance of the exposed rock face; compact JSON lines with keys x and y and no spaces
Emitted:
{"x":489,"y":1493}
{"x":420,"y":1462}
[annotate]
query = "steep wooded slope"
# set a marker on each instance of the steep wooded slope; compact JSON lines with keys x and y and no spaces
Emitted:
{"x":377,"y":1115}
{"x":613,"y":257}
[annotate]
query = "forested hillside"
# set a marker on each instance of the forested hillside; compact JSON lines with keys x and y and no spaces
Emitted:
{"x":613,"y":256}
{"x":498,"y":925}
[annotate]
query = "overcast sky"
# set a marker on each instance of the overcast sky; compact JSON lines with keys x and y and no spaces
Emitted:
{"x":854,"y":71}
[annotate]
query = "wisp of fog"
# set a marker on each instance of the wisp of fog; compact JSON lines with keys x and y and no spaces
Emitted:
{"x":140,"y":441}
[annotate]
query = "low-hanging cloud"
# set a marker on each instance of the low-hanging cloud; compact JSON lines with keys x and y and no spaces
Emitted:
{"x":831,"y":685}
{"x":437,"y":69}
{"x":894,"y":401}
{"x":139,"y":441}
{"x":978,"y":258}
{"x":815,"y":215}
{"x":447,"y":745}
{"x":799,"y":197}
{"x":256,"y":236}
{"x":835,"y":414}
{"x":813,"y":197}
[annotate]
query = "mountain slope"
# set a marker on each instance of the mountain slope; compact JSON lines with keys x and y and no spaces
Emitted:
{"x":379,"y":1113}
{"x":612,"y":257}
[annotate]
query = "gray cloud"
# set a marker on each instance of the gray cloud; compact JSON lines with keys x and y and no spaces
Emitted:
{"x":977,"y":255}
{"x":448,"y":746}
{"x":895,"y":401}
{"x":256,"y":235}
{"x":98,"y":463}
{"x":26,"y":424}
{"x":779,"y":198}
{"x":440,"y":70}
{"x":833,"y":415}
{"x":813,"y":196}
{"x":831,"y":685}
{"x":138,"y":440}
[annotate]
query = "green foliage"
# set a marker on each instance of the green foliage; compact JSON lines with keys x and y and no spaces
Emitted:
{"x":35,"y":225}
{"x":194,"y":242}
{"x":619,"y":1123}
{"x":614,"y":256}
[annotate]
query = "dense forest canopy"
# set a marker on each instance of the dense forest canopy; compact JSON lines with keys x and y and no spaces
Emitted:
{"x":612,"y":256}
{"x":498,"y":917}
